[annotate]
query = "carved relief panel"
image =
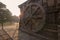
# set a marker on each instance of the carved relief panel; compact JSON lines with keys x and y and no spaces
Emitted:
{"x":34,"y":17}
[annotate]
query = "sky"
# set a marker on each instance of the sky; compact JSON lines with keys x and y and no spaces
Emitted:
{"x":12,"y":5}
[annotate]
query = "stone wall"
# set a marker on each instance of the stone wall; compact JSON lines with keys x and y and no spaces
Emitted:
{"x":31,"y":20}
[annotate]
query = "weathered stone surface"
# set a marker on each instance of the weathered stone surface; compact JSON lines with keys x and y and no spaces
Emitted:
{"x":39,"y":18}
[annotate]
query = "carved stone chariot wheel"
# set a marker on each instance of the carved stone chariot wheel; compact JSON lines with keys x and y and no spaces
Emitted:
{"x":34,"y":17}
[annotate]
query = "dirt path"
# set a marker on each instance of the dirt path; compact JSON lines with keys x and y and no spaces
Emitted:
{"x":12,"y":30}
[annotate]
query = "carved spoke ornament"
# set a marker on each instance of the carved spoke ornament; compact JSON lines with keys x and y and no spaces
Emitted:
{"x":34,"y":17}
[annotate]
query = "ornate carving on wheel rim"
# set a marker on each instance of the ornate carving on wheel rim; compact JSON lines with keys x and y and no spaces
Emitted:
{"x":34,"y":17}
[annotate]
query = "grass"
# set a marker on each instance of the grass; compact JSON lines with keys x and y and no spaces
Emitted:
{"x":8,"y":24}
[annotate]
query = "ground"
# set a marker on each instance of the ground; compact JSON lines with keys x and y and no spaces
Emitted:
{"x":12,"y":30}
